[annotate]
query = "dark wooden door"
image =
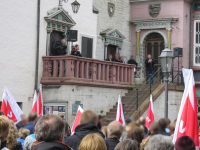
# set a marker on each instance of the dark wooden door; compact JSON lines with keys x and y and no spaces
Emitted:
{"x":111,"y":50}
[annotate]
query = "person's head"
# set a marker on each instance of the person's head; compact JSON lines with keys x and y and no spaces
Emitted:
{"x":4,"y":128}
{"x":100,"y":118}
{"x":24,"y":119}
{"x":73,"y":48}
{"x":184,"y":142}
{"x":159,"y":142}
{"x":104,"y":131}
{"x":89,"y":116}
{"x":133,"y":124}
{"x":116,"y":55}
{"x":67,"y":128}
{"x":115,"y":130}
{"x":1,"y":113}
{"x":136,"y":133}
{"x":149,"y":56}
{"x":162,"y":123}
{"x":128,"y":121}
{"x":77,"y":47}
{"x":12,"y":135}
{"x":127,"y":144}
{"x":142,"y":121}
{"x":49,"y":127}
{"x":172,"y":126}
{"x":92,"y":142}
{"x":168,"y":121}
{"x":32,"y":116}
{"x":132,"y":57}
{"x":122,"y":58}
{"x":61,"y":115}
{"x":63,"y":41}
{"x":154,"y":127}
{"x":110,"y":57}
{"x":23,"y":133}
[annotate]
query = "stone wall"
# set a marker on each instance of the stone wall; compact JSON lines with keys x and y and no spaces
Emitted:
{"x":174,"y":100}
{"x":101,"y":100}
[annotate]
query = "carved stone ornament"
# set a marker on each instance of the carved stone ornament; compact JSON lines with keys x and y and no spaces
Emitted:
{"x":111,"y":9}
{"x":154,"y":10}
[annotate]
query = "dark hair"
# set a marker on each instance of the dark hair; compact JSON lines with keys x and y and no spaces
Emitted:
{"x":127,"y":144}
{"x":32,"y":116}
{"x":136,"y":133}
{"x":162,"y":123}
{"x":76,"y":45}
{"x":154,"y":127}
{"x":49,"y":127}
{"x":142,"y":121}
{"x":185,"y":142}
{"x":1,"y":113}
{"x":89,"y":116}
{"x":168,"y":121}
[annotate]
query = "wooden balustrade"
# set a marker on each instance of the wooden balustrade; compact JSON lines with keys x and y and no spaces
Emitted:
{"x":72,"y":70}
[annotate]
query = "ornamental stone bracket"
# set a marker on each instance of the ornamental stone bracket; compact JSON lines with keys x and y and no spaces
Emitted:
{"x":153,"y":23}
{"x":112,"y":37}
{"x":58,"y":19}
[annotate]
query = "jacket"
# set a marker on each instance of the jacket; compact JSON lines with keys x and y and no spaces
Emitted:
{"x":59,"y":49}
{"x":76,"y":53}
{"x":29,"y":141}
{"x":19,"y":125}
{"x":112,"y":143}
{"x":150,"y":66}
{"x":132,"y":61}
{"x":108,"y":59}
{"x":3,"y":146}
{"x":51,"y":145}
{"x":18,"y":146}
{"x":163,"y":132}
{"x":80,"y":132}
{"x":30,"y":127}
{"x":116,"y":60}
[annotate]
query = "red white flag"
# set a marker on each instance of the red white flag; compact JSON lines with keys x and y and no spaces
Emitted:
{"x":150,"y":115}
{"x":187,"y":121}
{"x":35,"y":102}
{"x":120,"y":113}
{"x":77,"y":119}
{"x":10,"y":108}
{"x":40,"y":103}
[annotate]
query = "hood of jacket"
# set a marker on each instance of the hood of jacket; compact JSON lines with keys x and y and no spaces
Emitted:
{"x":51,"y":145}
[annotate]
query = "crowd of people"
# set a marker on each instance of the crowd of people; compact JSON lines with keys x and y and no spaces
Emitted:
{"x":50,"y":132}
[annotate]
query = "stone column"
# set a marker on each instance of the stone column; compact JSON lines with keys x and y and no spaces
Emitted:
{"x":169,"y":29}
{"x":105,"y":51}
{"x":48,"y":52}
{"x":138,"y":42}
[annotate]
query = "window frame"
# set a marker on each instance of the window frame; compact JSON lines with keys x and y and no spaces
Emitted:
{"x":195,"y":44}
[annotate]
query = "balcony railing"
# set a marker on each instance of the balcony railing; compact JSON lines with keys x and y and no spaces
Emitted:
{"x":72,"y":70}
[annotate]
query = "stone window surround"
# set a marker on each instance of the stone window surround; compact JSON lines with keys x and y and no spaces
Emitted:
{"x":195,"y":44}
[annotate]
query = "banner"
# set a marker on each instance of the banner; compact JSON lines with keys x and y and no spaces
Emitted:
{"x":120,"y":113}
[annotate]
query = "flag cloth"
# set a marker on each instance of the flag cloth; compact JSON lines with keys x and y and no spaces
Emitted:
{"x":77,"y":119}
{"x":150,"y":114}
{"x":120,"y":113}
{"x":35,"y":102}
{"x":40,"y":103}
{"x":185,"y":74}
{"x":187,"y":121}
{"x":10,"y":108}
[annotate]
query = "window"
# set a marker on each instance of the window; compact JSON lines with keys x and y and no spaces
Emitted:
{"x":87,"y":47}
{"x":196,"y":51}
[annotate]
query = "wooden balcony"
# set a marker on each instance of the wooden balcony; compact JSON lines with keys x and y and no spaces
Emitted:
{"x":72,"y":70}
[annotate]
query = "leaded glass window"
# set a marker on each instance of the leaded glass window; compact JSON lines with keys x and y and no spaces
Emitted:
{"x":196,"y":52}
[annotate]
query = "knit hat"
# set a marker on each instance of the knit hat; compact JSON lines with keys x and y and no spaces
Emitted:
{"x":185,"y":143}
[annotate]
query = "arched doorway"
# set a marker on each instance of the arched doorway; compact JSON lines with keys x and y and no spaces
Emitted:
{"x":154,"y":46}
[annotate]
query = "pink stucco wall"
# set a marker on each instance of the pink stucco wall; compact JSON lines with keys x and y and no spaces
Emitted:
{"x":180,"y":29}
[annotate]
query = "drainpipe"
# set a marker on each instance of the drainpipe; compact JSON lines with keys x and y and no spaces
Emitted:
{"x":37,"y":48}
{"x":190,"y":52}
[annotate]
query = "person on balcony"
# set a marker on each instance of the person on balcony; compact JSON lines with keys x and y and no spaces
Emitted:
{"x":109,"y":58}
{"x":149,"y":68}
{"x":75,"y":51}
{"x":59,"y":48}
{"x":116,"y":58}
{"x":122,"y":60}
{"x":132,"y":61}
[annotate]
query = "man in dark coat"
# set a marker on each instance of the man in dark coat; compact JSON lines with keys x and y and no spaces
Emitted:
{"x":59,"y":48}
{"x":49,"y":131}
{"x":163,"y":124}
{"x":23,"y":122}
{"x":142,"y":122}
{"x":109,"y":58}
{"x":31,"y":118}
{"x":75,"y":51}
{"x":132,"y":61}
{"x":87,"y":125}
{"x":115,"y":130}
{"x":116,"y":58}
{"x":99,"y":121}
{"x":149,"y":68}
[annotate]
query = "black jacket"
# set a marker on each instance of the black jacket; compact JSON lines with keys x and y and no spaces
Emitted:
{"x":163,"y":132}
{"x":59,"y":49}
{"x":76,"y":53}
{"x":18,"y":146}
{"x":116,"y":60}
{"x":3,"y":144}
{"x":80,"y":132}
{"x":108,"y":59}
{"x":150,"y":66}
{"x":112,"y":143}
{"x":19,"y":125}
{"x":52,"y":145}
{"x":132,"y":61}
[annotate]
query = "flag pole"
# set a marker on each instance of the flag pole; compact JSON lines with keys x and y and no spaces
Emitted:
{"x":166,"y":95}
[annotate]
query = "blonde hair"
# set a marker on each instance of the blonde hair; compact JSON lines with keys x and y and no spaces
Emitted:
{"x":4,"y":127}
{"x":93,"y":142}
{"x":23,"y":133}
{"x":12,"y":136}
{"x":133,"y":124}
{"x":104,"y":131}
